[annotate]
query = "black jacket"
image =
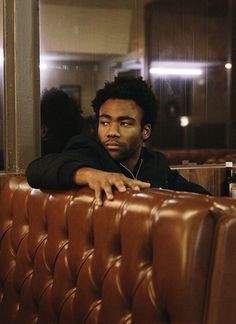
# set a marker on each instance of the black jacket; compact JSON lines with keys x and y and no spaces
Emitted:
{"x":54,"y":171}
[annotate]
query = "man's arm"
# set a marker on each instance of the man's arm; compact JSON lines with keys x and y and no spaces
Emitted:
{"x":65,"y":170}
{"x":55,"y":171}
{"x":101,"y":181}
{"x":179,"y":183}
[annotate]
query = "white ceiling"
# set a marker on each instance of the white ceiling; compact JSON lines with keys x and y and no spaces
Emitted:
{"x":134,"y":5}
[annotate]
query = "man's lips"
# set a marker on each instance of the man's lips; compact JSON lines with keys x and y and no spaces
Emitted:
{"x":112,"y":145}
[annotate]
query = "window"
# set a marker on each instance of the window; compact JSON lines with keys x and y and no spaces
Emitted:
{"x":1,"y":85}
{"x":184,"y":49}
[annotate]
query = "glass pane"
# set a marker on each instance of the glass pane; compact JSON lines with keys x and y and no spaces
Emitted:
{"x":85,"y":42}
{"x":1,"y":85}
{"x":190,"y":60}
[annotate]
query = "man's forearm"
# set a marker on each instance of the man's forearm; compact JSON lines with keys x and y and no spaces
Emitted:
{"x":52,"y":171}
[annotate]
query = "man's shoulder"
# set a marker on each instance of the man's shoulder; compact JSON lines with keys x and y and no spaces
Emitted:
{"x":88,"y":150}
{"x":153,"y":154}
{"x":82,"y":141}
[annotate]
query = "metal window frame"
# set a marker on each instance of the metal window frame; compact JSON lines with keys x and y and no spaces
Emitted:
{"x":21,"y":84}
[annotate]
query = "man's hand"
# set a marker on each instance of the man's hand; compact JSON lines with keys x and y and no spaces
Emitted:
{"x":101,"y":181}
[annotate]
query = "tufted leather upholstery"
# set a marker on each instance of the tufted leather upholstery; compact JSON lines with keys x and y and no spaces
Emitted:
{"x":155,"y":256}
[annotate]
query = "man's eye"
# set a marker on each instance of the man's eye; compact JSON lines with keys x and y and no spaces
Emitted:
{"x":104,"y":123}
{"x":125,"y":123}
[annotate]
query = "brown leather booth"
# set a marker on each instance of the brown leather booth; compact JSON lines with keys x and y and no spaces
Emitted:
{"x":155,"y":256}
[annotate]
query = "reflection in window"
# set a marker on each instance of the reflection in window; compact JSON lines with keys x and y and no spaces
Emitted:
{"x":1,"y":84}
{"x":181,"y":49}
{"x":190,"y":57}
{"x":91,"y":42}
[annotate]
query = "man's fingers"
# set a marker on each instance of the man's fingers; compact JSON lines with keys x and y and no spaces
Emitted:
{"x":106,"y":183}
{"x":98,"y":195}
{"x":142,"y":184}
{"x":121,"y":182}
{"x":118,"y":183}
{"x":108,"y":191}
{"x":136,"y":184}
{"x":99,"y":189}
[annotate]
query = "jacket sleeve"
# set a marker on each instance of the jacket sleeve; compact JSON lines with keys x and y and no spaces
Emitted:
{"x":54,"y":171}
{"x":179,"y":183}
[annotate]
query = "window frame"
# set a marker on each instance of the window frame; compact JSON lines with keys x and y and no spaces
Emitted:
{"x":21,"y":142}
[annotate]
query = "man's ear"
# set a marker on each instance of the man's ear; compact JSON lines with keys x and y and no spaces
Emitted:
{"x":146,"y":132}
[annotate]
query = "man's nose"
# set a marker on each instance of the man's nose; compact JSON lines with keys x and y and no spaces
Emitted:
{"x":113,"y":130}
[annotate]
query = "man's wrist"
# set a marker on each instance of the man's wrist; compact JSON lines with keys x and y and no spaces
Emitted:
{"x":80,"y":176}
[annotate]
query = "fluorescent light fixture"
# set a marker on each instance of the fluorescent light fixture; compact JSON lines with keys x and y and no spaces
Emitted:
{"x":178,"y":68}
{"x":1,"y":56}
{"x":175,"y":71}
{"x":43,"y":66}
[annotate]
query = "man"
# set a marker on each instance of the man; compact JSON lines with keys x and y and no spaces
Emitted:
{"x":126,"y":111}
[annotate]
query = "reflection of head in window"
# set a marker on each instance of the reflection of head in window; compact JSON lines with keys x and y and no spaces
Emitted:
{"x":60,"y":120}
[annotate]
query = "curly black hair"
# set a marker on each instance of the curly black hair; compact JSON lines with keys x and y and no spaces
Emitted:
{"x":62,"y":117}
{"x":132,"y":88}
{"x":59,"y":112}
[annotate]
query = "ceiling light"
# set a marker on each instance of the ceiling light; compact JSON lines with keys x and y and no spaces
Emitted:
{"x":184,"y":121}
{"x":175,"y":71}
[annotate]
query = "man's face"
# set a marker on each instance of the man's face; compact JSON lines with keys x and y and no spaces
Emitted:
{"x":120,"y":130}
